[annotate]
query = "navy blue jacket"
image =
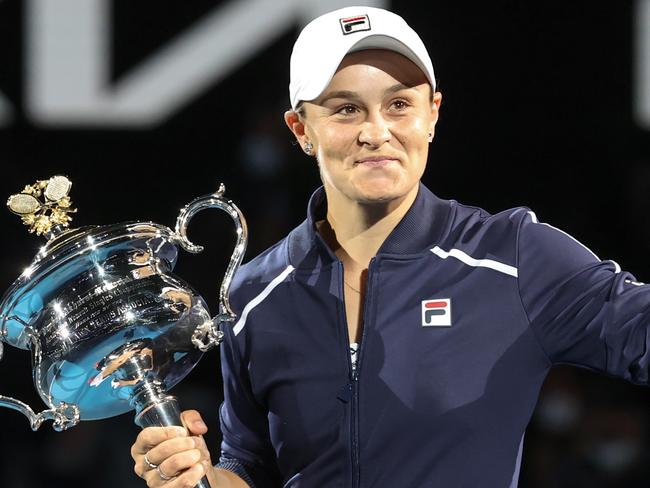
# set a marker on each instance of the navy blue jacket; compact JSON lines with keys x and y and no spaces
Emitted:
{"x":465,"y":314}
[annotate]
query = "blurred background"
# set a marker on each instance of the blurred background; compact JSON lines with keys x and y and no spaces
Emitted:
{"x":145,"y":105}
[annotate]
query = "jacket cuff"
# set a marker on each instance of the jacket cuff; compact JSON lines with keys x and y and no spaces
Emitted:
{"x":236,"y":466}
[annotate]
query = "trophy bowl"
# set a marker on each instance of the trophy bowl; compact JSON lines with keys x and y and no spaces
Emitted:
{"x":109,"y":326}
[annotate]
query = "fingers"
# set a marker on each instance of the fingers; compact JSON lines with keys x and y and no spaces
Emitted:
{"x":177,"y":455}
{"x":190,"y":478}
{"x":180,"y":455}
{"x":187,"y":479}
{"x":152,"y":436}
{"x":171,"y":447}
{"x":194,"y":423}
{"x":202,"y":446}
{"x":147,"y":440}
{"x":174,"y":465}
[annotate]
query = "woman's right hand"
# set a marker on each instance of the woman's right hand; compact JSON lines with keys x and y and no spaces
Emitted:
{"x":173,"y":457}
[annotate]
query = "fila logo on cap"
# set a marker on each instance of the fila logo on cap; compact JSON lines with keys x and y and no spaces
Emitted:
{"x":436,"y":313}
{"x":355,"y":24}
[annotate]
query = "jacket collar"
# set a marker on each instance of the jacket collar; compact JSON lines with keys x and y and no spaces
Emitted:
{"x":420,"y":229}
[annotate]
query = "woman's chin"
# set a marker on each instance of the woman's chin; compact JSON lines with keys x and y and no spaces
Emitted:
{"x":383,"y":189}
{"x":379,"y":195}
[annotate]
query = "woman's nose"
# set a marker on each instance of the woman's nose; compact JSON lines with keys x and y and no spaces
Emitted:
{"x":375,"y":131}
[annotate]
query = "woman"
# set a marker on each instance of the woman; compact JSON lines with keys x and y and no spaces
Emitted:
{"x":394,"y":338}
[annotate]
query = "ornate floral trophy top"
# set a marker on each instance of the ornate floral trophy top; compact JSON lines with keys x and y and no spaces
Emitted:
{"x":109,"y":327}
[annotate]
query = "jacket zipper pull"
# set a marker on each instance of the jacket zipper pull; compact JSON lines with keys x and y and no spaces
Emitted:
{"x":345,"y":395}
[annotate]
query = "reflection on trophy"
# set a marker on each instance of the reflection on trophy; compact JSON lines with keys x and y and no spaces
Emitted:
{"x":109,"y":327}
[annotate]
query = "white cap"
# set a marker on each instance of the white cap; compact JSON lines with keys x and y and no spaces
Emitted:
{"x":324,"y":42}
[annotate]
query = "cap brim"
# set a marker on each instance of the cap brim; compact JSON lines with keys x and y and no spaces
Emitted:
{"x":371,"y":41}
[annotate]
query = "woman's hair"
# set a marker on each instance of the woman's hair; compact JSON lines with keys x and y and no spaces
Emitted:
{"x":300,"y":110}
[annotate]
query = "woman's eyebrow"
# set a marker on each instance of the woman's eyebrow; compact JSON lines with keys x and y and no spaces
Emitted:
{"x":339,"y":94}
{"x":352,"y":95}
{"x":395,"y":88}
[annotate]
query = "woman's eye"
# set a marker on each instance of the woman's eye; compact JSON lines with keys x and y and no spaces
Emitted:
{"x":400,"y":104}
{"x":347,"y":110}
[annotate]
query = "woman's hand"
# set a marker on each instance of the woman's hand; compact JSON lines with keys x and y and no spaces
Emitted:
{"x":173,"y":457}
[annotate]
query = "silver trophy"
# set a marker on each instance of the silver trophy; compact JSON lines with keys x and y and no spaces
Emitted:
{"x":109,"y":327}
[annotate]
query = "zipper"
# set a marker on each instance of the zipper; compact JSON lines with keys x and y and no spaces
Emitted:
{"x":351,"y":388}
{"x":354,"y":375}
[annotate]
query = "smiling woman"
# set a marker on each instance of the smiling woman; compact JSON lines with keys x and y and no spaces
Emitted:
{"x":370,"y":130}
{"x":395,"y":338}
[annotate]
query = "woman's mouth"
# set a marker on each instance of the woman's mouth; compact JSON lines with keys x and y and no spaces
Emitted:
{"x":376,"y":161}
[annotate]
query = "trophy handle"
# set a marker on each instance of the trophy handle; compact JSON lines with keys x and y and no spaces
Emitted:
{"x":64,"y":415}
{"x":208,"y":335}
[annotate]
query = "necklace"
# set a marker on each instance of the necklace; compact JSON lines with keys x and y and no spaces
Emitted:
{"x":352,"y":287}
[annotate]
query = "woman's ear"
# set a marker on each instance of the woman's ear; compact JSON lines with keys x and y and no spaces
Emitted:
{"x":292,"y":119}
{"x":297,"y":126}
{"x":435,"y":112}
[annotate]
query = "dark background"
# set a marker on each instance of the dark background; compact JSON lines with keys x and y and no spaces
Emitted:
{"x":538,"y":110}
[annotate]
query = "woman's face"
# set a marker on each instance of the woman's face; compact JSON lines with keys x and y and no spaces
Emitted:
{"x":370,"y":127}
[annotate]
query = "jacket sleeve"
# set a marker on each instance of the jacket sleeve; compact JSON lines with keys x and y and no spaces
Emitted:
{"x":583,"y":311}
{"x":246,"y":448}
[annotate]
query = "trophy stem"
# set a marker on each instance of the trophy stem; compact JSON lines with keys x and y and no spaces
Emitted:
{"x":155,"y":408}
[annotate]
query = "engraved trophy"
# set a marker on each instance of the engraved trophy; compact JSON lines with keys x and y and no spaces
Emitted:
{"x":109,"y":327}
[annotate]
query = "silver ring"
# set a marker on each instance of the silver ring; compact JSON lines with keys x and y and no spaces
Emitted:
{"x":162,"y":475}
{"x":149,"y":463}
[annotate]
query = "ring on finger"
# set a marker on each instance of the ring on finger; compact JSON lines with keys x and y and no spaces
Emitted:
{"x":149,"y":463}
{"x":162,"y":475}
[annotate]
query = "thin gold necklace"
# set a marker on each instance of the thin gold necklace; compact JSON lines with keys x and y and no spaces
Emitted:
{"x":352,"y":287}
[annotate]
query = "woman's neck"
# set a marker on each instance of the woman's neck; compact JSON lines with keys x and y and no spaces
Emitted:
{"x":355,"y":231}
